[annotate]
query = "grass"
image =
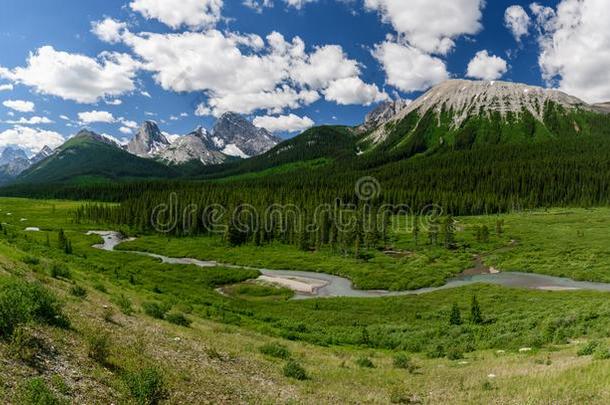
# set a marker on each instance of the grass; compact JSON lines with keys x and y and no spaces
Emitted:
{"x":325,"y":337}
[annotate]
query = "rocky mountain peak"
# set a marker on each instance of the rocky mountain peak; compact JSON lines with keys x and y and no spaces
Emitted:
{"x":384,"y":112}
{"x":148,"y":140}
{"x":13,"y":161}
{"x":239,"y":137}
{"x":44,"y":153}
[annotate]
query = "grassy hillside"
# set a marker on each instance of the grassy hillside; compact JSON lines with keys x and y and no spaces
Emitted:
{"x":85,"y":160}
{"x":122,"y":346}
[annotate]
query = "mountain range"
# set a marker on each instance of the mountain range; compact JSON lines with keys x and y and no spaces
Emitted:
{"x":454,"y":115}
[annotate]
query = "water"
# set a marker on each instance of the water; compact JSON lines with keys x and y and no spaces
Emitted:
{"x":311,"y":285}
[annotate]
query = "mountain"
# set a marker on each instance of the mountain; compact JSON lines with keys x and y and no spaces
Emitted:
{"x":44,"y":153}
{"x":196,"y":146}
{"x":383,"y":113}
{"x":462,"y":114}
{"x":92,"y":157}
{"x":13,"y":161}
{"x":148,"y":141}
{"x":234,"y":135}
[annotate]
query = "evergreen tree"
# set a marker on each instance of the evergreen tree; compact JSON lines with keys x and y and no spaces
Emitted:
{"x":61,"y":239}
{"x":475,"y":311}
{"x":455,"y":318}
{"x":485,"y":234}
{"x":449,"y":231}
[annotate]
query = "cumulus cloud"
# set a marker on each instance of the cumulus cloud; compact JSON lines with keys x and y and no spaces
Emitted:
{"x":284,"y":123}
{"x":517,"y":21}
{"x":30,"y":139}
{"x":19,"y":105}
{"x":241,"y":73}
{"x":108,"y":30}
{"x":194,"y":14}
{"x":76,"y":77}
{"x":575,"y":47}
{"x":430,"y":26}
{"x":125,"y":130}
{"x":486,"y":67}
{"x":409,"y":69}
{"x":352,"y":90}
{"x":90,"y":117}
{"x":6,"y":87}
{"x":30,"y":121}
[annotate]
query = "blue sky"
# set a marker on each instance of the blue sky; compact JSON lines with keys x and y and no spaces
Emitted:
{"x":147,"y":81}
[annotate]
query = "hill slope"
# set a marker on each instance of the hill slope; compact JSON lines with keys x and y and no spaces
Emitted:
{"x":89,"y":156}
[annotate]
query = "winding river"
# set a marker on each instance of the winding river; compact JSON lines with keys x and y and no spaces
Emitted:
{"x":312,"y":285}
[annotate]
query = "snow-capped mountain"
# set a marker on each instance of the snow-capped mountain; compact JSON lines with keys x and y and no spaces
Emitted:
{"x":13,"y":161}
{"x":44,"y":153}
{"x":232,"y":136}
{"x":196,"y":146}
{"x":148,"y":141}
{"x":236,"y":136}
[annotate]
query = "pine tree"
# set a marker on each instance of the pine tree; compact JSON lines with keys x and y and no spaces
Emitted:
{"x":416,"y":230}
{"x":61,"y":239}
{"x":499,"y":227}
{"x":475,"y":311}
{"x":449,"y":231}
{"x":485,"y":234}
{"x":455,"y":318}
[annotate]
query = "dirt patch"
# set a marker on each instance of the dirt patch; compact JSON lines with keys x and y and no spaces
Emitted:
{"x":479,"y":268}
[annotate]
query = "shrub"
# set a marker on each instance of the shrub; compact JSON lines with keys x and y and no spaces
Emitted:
{"x":36,"y":392}
{"x":146,"y":386}
{"x":588,"y":349}
{"x":154,"y":309}
{"x":124,"y":304}
{"x":364,"y":362}
{"x":21,"y":302}
{"x":292,"y":369}
{"x":602,"y":353}
{"x":455,"y":353}
{"x":108,"y":314}
{"x":178,"y":318}
{"x":58,"y":271}
{"x":99,"y":347}
{"x":24,"y":345}
{"x":403,"y":361}
{"x":31,"y":260}
{"x":275,"y":350}
{"x":78,"y":291}
{"x":100,"y":287}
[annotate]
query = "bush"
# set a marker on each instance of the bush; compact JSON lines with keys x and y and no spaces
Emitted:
{"x":59,"y":271}
{"x":36,"y":392}
{"x":292,"y":369}
{"x":124,"y":304}
{"x":100,"y":287}
{"x":455,"y":353}
{"x":154,"y":309}
{"x":22,"y":302}
{"x":146,"y":386}
{"x":403,"y":361}
{"x":78,"y":291}
{"x":364,"y":362}
{"x":31,"y":260}
{"x":24,"y":345}
{"x":588,"y":349}
{"x":602,"y":353}
{"x":178,"y":318}
{"x":275,"y":350}
{"x":99,"y":347}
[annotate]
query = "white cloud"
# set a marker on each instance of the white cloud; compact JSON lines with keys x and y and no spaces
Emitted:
{"x":30,"y":121}
{"x":409,"y":69}
{"x":65,"y":117}
{"x":30,"y":139}
{"x":108,"y":30}
{"x":114,"y":102}
{"x":575,"y":47}
{"x":486,"y":67}
{"x":125,"y":130}
{"x":284,"y":123}
{"x":517,"y":21}
{"x":352,"y":90}
{"x":298,"y":4}
{"x":428,"y":25}
{"x":191,"y":13}
{"x":145,"y":94}
{"x":76,"y":77}
{"x":6,"y":87}
{"x":241,"y":73}
{"x":127,"y":123}
{"x":19,"y":105}
{"x":90,"y":117}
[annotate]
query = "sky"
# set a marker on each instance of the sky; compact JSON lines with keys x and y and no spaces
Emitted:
{"x":287,"y":65}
